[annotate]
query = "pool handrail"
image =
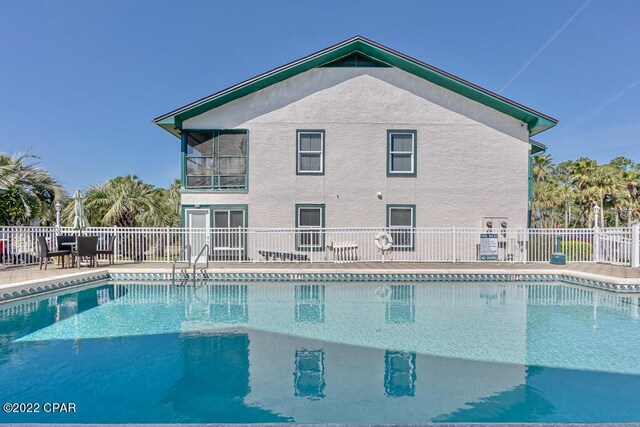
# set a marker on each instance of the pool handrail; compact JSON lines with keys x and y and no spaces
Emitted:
{"x":187,"y":248}
{"x":195,"y":263}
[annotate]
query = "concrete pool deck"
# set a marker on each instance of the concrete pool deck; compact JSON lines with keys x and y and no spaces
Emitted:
{"x":605,"y":272}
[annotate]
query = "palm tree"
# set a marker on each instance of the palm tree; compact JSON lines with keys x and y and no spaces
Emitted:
{"x":630,"y":180}
{"x":547,"y":199}
{"x":127,"y":201}
{"x":30,"y":191}
{"x":541,"y":166}
{"x":562,"y":175}
{"x":124,"y":201}
{"x":172,"y":195}
{"x":582,"y":184}
{"x":582,"y":176}
{"x":606,"y":186}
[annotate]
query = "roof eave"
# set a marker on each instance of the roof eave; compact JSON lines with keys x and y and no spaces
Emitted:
{"x":537,"y":147}
{"x":536,"y":121}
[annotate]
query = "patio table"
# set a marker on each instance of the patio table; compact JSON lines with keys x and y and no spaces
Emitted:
{"x":72,"y":247}
{"x":67,"y":245}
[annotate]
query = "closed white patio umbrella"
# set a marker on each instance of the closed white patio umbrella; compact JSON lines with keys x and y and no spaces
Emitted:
{"x":79,"y":220}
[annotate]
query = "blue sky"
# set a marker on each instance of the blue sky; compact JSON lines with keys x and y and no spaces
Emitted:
{"x":80,"y":81}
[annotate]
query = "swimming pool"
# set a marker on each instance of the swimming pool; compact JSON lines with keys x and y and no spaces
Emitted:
{"x":323,"y":353}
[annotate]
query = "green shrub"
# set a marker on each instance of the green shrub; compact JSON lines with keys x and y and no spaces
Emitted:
{"x":577,"y":250}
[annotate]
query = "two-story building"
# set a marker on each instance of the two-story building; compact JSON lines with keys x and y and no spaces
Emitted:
{"x":356,"y":135}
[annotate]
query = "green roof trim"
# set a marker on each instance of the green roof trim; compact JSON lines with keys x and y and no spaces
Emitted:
{"x":536,"y":122}
{"x":355,"y":59}
{"x":537,"y":147}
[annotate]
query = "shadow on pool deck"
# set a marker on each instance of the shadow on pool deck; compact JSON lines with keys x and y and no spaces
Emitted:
{"x":11,"y":275}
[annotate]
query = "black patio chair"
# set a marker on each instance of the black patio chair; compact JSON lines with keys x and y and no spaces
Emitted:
{"x":44,"y":254}
{"x":86,"y":246}
{"x":110,"y":248}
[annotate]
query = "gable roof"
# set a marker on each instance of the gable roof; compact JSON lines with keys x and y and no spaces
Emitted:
{"x":536,"y":121}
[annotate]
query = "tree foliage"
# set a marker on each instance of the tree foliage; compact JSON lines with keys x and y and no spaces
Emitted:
{"x":566,"y":194}
{"x":28,"y":193}
{"x":127,"y":201}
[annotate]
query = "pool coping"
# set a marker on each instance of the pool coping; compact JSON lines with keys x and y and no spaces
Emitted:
{"x":445,"y":424}
{"x":13,"y":291}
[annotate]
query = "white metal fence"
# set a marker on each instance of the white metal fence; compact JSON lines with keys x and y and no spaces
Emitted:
{"x":618,"y":246}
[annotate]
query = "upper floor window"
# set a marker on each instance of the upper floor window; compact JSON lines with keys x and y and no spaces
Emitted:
{"x":401,"y":153}
{"x":216,"y":159}
{"x":310,"y":152}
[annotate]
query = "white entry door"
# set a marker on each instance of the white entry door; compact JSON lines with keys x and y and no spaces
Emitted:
{"x":198,"y":230}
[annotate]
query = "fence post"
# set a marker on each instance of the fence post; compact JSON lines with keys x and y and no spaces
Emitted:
{"x":635,"y":245}
{"x":241,"y":244}
{"x":168,"y":254}
{"x":454,"y":244}
{"x":596,"y":244}
{"x":115,"y":245}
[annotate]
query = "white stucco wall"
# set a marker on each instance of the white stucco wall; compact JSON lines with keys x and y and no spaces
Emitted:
{"x":472,"y":161}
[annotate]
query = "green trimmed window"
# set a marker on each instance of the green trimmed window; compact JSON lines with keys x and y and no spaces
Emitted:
{"x":216,"y":159}
{"x":401,"y":153}
{"x":401,"y":222}
{"x":310,"y":152}
{"x":309,"y":225}
{"x":229,"y":238}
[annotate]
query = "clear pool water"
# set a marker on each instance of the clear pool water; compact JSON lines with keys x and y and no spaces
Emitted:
{"x":324,"y":353}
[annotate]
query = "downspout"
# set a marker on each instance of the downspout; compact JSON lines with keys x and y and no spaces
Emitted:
{"x":183,"y":173}
{"x":530,"y":211}
{"x":535,"y":148}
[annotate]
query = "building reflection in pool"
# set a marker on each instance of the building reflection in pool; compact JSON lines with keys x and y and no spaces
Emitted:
{"x":343,"y":352}
{"x":399,"y":373}
{"x":310,"y":303}
{"x":401,"y":307}
{"x":309,"y":374}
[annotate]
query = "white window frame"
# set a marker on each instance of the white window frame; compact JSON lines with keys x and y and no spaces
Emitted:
{"x":412,"y":152}
{"x":403,"y":228}
{"x":300,"y":152}
{"x":219,"y":230}
{"x":311,"y":247}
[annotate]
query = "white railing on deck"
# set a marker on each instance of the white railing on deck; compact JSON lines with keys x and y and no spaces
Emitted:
{"x":617,"y":246}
